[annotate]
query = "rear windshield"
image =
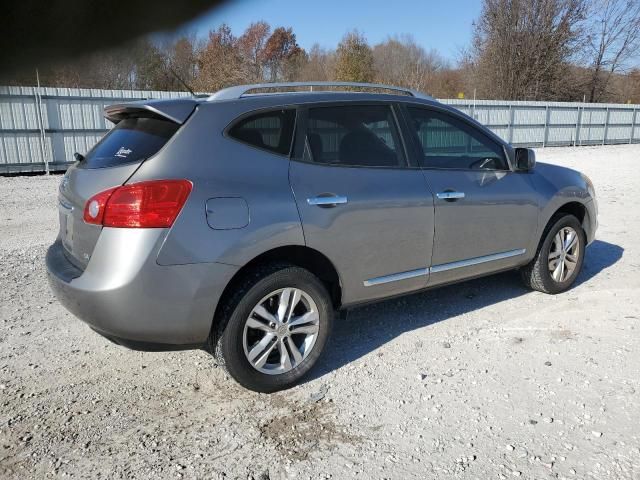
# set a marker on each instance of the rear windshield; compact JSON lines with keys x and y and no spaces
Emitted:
{"x":131,"y":140}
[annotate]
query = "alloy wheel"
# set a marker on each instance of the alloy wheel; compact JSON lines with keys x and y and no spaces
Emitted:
{"x":281,"y":331}
{"x":564,"y":254}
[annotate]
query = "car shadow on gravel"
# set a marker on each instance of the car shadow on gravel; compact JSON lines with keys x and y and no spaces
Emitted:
{"x":367,"y":328}
{"x":600,"y":256}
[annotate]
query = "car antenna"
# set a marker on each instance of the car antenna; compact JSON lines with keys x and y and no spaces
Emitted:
{"x":184,"y":84}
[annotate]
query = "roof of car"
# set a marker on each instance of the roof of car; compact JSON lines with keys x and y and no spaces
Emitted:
{"x":179,"y":109}
{"x":274,"y":95}
{"x":268,"y":95}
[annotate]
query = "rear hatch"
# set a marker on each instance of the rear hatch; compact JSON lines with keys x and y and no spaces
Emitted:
{"x":142,"y":129}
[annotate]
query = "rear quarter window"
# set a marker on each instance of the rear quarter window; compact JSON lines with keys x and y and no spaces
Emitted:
{"x":272,"y":130}
{"x":131,"y":140}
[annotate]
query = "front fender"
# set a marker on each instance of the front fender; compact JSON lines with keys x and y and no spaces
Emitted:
{"x":562,"y":188}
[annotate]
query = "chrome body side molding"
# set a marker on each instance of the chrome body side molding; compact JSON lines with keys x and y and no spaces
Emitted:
{"x":396,"y":277}
{"x":443,"y":267}
{"x":476,"y":261}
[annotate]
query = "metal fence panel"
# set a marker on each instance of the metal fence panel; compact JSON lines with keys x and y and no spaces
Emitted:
{"x":557,"y":123}
{"x":45,"y":126}
{"x":529,"y":115}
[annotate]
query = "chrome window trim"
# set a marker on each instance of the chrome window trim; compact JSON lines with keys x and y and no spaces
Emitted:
{"x":394,"y":277}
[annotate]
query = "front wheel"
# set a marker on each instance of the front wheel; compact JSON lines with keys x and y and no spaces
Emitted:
{"x":273,"y":328}
{"x":559,"y":258}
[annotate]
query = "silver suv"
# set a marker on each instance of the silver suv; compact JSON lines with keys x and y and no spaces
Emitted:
{"x":241,"y":222}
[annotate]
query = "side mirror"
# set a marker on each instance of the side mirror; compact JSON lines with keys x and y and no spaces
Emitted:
{"x":525,"y":159}
{"x":78,"y":156}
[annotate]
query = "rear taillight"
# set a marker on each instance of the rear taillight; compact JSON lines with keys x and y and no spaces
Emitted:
{"x":95,"y":207}
{"x":153,"y":204}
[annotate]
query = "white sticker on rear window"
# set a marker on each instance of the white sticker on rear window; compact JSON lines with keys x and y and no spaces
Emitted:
{"x":123,"y":152}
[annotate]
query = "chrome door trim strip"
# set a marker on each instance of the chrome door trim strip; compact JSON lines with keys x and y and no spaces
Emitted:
{"x":420,"y":272}
{"x":476,"y":260}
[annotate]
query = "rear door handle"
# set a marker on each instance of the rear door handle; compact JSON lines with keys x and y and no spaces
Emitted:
{"x":327,"y":201}
{"x":450,"y":195}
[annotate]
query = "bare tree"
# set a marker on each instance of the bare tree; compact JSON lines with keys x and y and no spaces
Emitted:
{"x":108,"y":69}
{"x":521,"y":48}
{"x":320,"y":65}
{"x":613,"y":40}
{"x":140,"y":65}
{"x":150,"y":66}
{"x":401,"y":61}
{"x":447,"y":83}
{"x":632,"y":86}
{"x":181,"y":60}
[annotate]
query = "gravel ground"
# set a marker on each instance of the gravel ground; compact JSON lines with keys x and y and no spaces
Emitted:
{"x":479,"y":380}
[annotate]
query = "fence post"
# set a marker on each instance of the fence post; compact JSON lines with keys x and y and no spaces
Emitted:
{"x":578,"y":124}
{"x":633,"y":125}
{"x":545,"y":138}
{"x":43,"y":137}
{"x":606,"y":127}
{"x":511,"y":117}
{"x":474,"y":104}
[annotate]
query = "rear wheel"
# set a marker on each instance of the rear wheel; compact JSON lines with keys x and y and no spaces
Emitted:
{"x":559,"y":258}
{"x":273,"y":328}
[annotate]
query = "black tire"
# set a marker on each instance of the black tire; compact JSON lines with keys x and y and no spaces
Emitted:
{"x":227,"y":337}
{"x":536,"y":274}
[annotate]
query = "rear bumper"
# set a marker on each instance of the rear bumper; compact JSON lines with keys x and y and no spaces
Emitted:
{"x":126,"y":296}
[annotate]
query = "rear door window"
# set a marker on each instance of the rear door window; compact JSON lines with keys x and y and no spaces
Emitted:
{"x":353,"y":136}
{"x":272,"y":131}
{"x":131,"y":140}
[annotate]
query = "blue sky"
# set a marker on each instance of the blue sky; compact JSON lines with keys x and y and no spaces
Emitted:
{"x":445,"y":26}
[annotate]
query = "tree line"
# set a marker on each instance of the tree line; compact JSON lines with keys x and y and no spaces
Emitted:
{"x":562,"y":50}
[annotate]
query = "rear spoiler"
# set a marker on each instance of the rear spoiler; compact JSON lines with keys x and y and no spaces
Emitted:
{"x":176,"y":110}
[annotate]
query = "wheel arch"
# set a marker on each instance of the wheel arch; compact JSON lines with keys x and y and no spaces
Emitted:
{"x":299,"y":255}
{"x":535,"y":273}
{"x":575,"y":208}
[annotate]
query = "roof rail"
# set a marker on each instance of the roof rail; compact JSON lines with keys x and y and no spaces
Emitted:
{"x":234,"y":93}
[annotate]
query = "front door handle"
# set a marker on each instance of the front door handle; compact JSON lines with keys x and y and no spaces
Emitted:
{"x":327,"y":201}
{"x":450,"y":195}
